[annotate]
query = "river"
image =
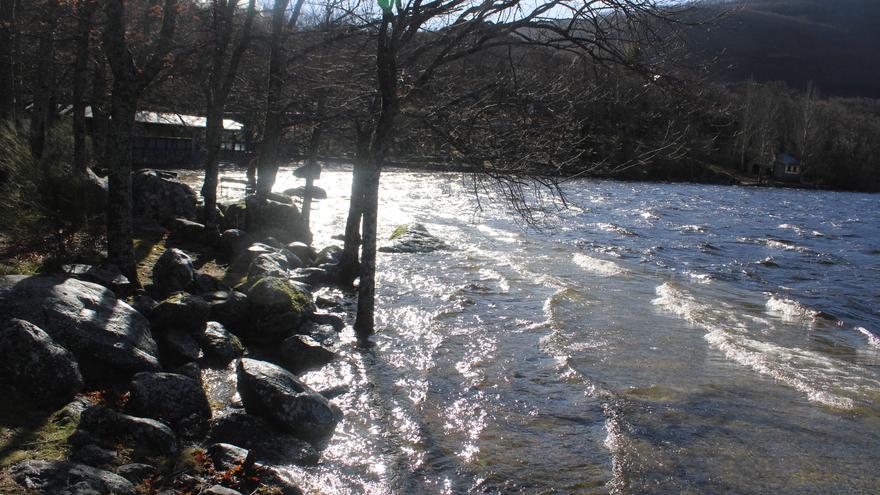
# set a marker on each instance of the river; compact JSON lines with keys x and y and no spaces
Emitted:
{"x":649,"y":338}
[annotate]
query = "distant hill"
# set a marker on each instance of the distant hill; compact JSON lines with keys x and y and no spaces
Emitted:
{"x":833,"y":43}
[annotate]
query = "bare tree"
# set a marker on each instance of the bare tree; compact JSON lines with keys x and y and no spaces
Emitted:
{"x":132,"y":74}
{"x":217,"y":87}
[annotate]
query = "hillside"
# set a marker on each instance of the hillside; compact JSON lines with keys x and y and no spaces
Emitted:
{"x":832,"y":43}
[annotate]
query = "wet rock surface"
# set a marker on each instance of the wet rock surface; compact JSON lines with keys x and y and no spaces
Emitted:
{"x":272,"y":392}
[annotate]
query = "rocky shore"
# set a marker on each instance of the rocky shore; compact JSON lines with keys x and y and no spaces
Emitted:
{"x":118,"y":372}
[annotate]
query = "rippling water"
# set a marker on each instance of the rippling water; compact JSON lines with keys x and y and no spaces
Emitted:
{"x":651,"y":338}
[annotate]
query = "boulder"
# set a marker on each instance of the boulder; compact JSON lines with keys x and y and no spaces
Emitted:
{"x":266,"y":217}
{"x":413,"y":238}
{"x":136,"y":473}
{"x":35,"y":365}
{"x":84,"y":318}
{"x":225,"y":456}
{"x":322,"y":333}
{"x":302,"y":251}
{"x":172,"y":272}
{"x":204,"y":283}
{"x":143,"y":303}
{"x":235,"y":216}
{"x":219,"y":344}
{"x":315,"y":192}
{"x":230,"y":308}
{"x":330,"y":255}
{"x":159,"y":196}
{"x":301,"y":352}
{"x":278,"y":307}
{"x":268,"y":265}
{"x":274,"y":295}
{"x":167,"y":397}
{"x":220,"y":490}
{"x":190,"y":369}
{"x":271,"y":391}
{"x":93,"y":455}
{"x":146,"y":436}
{"x":178,"y":345}
{"x":182,"y":311}
{"x":328,"y":319}
{"x":263,"y":442}
{"x":233,"y":242}
{"x":107,"y":275}
{"x":65,"y":478}
{"x":188,"y":231}
{"x":311,"y":170}
{"x":293,"y":261}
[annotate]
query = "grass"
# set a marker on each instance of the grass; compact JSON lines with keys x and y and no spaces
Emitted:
{"x":29,"y":432}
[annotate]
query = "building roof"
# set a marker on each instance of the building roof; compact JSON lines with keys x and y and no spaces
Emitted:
{"x":177,"y":119}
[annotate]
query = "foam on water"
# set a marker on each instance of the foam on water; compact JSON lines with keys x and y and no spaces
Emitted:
{"x":790,"y":310}
{"x":873,"y":339}
{"x":821,"y":378}
{"x":596,"y":266}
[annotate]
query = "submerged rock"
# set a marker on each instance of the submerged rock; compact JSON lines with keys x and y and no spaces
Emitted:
{"x":84,"y":318}
{"x":35,"y":365}
{"x":413,"y":238}
{"x":65,"y":478}
{"x":271,"y":391}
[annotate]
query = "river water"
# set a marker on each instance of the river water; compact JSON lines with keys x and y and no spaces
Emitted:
{"x":650,"y":338}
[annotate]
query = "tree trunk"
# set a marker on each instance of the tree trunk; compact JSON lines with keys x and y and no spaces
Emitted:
{"x":7,"y":59}
{"x":267,"y":167}
{"x":120,"y":249}
{"x":213,"y":136}
{"x":350,"y":258}
{"x":312,"y":161}
{"x":84,"y":11}
{"x":42,"y":111}
{"x":386,"y":76}
{"x":100,"y":120}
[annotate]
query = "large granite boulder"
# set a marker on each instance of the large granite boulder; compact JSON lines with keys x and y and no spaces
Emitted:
{"x":271,"y":391}
{"x":172,"y":272}
{"x":159,"y":196}
{"x":84,"y":318}
{"x":278,"y":307}
{"x":181,"y":310}
{"x":268,"y":265}
{"x":266,"y":217}
{"x":35,"y":365}
{"x":107,"y":275}
{"x":186,"y":230}
{"x":168,"y":397}
{"x":65,"y":478}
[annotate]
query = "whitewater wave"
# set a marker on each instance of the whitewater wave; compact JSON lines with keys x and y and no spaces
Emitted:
{"x":596,"y":266}
{"x":822,"y":379}
{"x":790,"y":310}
